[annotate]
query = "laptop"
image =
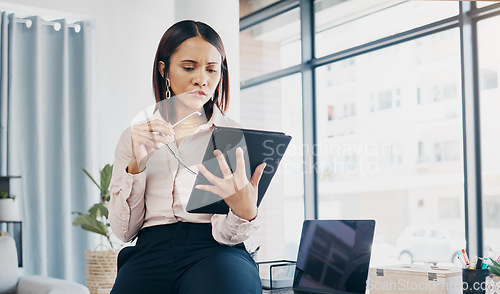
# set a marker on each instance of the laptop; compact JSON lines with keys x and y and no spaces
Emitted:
{"x":333,"y":257}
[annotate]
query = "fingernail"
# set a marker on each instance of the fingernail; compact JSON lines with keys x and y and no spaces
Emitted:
{"x":217,"y":152}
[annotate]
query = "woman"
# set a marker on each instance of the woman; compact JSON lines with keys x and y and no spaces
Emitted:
{"x":156,"y":163}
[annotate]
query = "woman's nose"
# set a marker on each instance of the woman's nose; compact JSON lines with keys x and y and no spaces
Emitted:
{"x":200,"y":78}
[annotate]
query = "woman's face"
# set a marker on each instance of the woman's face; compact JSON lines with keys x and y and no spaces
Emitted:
{"x":194,"y":73}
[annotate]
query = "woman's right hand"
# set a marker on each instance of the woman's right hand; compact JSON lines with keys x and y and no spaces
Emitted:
{"x":146,"y":138}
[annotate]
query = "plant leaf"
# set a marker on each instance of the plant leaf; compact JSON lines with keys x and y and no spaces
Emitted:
{"x":496,"y":263}
{"x":87,"y":173}
{"x":106,"y":173}
{"x":494,"y":270}
{"x":90,"y":224}
{"x":98,"y":210}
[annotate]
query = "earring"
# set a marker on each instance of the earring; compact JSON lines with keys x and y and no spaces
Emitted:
{"x":212,"y":98}
{"x":167,"y":83}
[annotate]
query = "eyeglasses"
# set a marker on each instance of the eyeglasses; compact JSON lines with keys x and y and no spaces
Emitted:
{"x":180,"y":161}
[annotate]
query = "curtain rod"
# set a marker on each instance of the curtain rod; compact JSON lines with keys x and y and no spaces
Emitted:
{"x":55,"y":24}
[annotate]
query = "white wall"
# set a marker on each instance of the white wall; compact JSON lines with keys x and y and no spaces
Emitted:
{"x":126,"y":34}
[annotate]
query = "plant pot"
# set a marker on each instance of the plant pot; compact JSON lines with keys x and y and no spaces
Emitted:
{"x":492,"y":284}
{"x":9,"y":210}
{"x":100,"y":269}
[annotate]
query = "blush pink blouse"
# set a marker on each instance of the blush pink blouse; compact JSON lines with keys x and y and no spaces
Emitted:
{"x":159,"y":194}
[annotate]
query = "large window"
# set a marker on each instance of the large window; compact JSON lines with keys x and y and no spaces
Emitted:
{"x":277,"y":105}
{"x":384,"y":120}
{"x":489,"y":85}
{"x":395,"y":138}
{"x":250,"y":6}
{"x":481,"y":4}
{"x":342,"y":25}
{"x":270,"y":46}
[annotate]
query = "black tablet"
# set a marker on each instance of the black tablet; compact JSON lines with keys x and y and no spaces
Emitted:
{"x":258,"y":146}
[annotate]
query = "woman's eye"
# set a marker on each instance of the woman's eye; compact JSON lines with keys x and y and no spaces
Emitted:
{"x":212,"y":70}
{"x":188,"y":68}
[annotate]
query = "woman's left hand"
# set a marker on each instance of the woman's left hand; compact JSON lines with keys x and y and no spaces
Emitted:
{"x":238,"y":193}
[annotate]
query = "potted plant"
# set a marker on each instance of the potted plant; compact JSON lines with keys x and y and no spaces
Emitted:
{"x":8,"y":207}
{"x":100,"y":264}
{"x":493,"y":281}
{"x":96,"y":219}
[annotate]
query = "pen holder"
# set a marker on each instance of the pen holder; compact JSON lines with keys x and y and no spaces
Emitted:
{"x":473,"y":280}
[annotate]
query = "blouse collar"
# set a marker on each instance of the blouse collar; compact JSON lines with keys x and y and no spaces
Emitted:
{"x":217,"y":119}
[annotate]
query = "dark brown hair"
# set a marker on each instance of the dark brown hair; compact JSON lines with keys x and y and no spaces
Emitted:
{"x":171,"y":40}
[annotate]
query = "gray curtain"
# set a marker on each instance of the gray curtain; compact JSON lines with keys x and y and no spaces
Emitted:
{"x":45,"y":100}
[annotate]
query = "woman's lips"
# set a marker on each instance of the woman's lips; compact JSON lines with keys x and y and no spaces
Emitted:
{"x":198,"y":93}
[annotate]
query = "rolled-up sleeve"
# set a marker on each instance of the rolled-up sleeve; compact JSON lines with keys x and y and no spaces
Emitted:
{"x":126,"y":206}
{"x":230,"y":229}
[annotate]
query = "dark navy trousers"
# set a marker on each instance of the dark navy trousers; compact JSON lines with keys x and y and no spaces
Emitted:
{"x":183,"y":258}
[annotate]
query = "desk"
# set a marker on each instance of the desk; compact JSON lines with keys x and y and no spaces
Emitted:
{"x":15,"y":229}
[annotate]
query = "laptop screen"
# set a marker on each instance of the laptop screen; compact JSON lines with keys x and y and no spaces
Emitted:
{"x":334,"y":256}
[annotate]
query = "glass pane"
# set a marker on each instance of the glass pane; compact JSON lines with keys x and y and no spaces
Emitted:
{"x":480,"y":4}
{"x":389,"y":130}
{"x":277,"y":105}
{"x":270,"y":46}
{"x":489,"y":95}
{"x":250,"y":6}
{"x":342,"y":24}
